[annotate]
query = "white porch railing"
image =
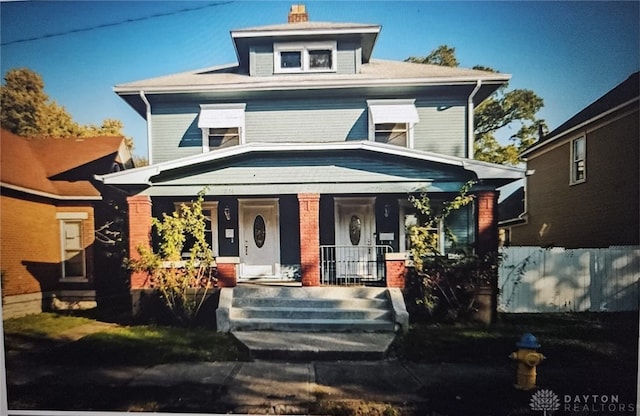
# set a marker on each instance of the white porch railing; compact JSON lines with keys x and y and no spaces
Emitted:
{"x":352,"y":265}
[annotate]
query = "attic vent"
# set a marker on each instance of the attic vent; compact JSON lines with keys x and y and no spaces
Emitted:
{"x":298,"y":13}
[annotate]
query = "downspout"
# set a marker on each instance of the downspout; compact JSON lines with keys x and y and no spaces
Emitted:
{"x":148,"y":117}
{"x":470,"y":126}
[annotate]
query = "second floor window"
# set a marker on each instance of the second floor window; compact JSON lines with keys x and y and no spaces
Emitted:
{"x":304,"y":57}
{"x":578,"y":160}
{"x":223,"y":137}
{"x":222,"y":125}
{"x":392,"y":133}
{"x":392,"y":121}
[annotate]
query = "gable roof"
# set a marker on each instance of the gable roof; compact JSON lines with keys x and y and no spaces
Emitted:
{"x":621,"y":95}
{"x":58,"y":168}
{"x":267,"y":168}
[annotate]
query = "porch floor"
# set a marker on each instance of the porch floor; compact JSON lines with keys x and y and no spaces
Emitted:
{"x":315,"y":345}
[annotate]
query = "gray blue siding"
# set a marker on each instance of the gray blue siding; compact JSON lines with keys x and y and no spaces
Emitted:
{"x":441,"y":128}
{"x":310,"y":120}
{"x":175,"y":131}
{"x":261,"y":61}
{"x":175,"y":136}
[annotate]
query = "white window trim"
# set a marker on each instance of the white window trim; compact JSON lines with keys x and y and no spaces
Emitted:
{"x":78,"y":218}
{"x":213,"y":207}
{"x":410,"y":124}
{"x":304,"y":48}
{"x":240,"y":125}
{"x":572,"y":176}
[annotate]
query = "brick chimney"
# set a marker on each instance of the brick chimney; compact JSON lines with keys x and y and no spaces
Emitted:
{"x":298,"y":13}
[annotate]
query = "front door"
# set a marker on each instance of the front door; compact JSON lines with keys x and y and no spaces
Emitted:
{"x":259,"y":238}
{"x":355,"y":239}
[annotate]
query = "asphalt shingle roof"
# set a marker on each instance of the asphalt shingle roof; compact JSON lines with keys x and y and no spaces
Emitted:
{"x":41,"y":164}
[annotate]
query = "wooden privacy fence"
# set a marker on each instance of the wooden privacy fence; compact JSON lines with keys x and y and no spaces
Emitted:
{"x":534,"y":279}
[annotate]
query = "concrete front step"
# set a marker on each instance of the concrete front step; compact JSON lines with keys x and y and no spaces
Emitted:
{"x":311,"y":309}
{"x":309,"y":313}
{"x":312,"y":325}
{"x":317,"y":292}
{"x":292,"y":346}
{"x":355,"y":303}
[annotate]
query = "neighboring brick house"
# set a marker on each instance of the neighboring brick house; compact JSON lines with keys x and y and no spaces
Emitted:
{"x":48,"y":219}
{"x":583,"y":190}
{"x":308,"y":149}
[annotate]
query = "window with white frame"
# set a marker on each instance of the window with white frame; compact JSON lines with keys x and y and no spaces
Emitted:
{"x":73,"y":251}
{"x":222,"y":125}
{"x":304,"y":57}
{"x":578,"y":160}
{"x":392,"y":121}
{"x":409,"y":219}
{"x":210,"y":212}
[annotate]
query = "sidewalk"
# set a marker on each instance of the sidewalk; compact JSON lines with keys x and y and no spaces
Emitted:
{"x":276,"y":387}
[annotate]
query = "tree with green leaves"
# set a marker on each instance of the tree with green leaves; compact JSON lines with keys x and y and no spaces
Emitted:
{"x":503,"y":109}
{"x":26,"y":110}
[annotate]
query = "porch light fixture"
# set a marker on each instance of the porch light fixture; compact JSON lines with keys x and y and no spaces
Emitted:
{"x":227,"y":213}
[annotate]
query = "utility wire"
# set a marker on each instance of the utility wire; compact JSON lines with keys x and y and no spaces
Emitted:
{"x":105,"y":25}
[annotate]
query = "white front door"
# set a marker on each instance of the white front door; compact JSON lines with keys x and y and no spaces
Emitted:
{"x":355,"y":238}
{"x":259,"y":238}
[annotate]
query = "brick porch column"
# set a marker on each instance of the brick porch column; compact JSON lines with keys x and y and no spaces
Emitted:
{"x":310,"y":238}
{"x":396,"y":269}
{"x":139,"y":233}
{"x":487,"y":203}
{"x":487,"y":242}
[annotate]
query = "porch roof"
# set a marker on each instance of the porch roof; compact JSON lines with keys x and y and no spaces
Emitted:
{"x":286,"y":168}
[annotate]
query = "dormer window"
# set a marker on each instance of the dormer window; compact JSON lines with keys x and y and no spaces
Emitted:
{"x":222,"y":125}
{"x":392,"y":121}
{"x":295,"y":57}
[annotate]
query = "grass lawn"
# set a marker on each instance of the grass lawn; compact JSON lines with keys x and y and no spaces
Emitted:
{"x":140,"y":345}
{"x":586,"y":354}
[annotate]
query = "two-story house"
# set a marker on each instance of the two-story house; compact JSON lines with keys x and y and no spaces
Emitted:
{"x":583,"y":191}
{"x":308,"y":149}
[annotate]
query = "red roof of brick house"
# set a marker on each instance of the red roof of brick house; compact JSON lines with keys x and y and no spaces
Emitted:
{"x":61,"y":168}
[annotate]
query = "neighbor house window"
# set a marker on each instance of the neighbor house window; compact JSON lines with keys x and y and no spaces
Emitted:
{"x":304,"y":57}
{"x":222,"y":125}
{"x":392,"y":121}
{"x":73,"y":253}
{"x":578,"y":160}
{"x":210,"y":212}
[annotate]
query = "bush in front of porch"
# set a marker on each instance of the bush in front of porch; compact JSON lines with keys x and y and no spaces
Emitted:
{"x":183,"y":285}
{"x":446,"y":287}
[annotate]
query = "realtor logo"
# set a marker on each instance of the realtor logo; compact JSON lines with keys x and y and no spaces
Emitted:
{"x":545,"y":401}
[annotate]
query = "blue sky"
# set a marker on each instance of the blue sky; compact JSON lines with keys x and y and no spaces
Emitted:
{"x":568,"y":52}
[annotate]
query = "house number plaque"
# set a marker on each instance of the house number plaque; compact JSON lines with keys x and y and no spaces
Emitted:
{"x":355,"y":230}
{"x":259,"y":231}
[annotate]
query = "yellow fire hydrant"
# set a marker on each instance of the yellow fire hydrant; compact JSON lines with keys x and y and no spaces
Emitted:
{"x":528,"y":359}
